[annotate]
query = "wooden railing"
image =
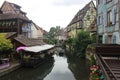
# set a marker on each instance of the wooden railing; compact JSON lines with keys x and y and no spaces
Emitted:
{"x":102,"y":68}
{"x":108,"y":50}
{"x":108,"y":69}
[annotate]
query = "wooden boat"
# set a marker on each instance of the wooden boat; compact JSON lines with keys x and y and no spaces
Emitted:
{"x":35,"y":55}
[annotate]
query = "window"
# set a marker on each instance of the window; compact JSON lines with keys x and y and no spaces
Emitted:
{"x":114,"y":39}
{"x":108,"y":1}
{"x":100,"y":39}
{"x":92,"y":11}
{"x":68,"y":29}
{"x":99,"y":20}
{"x":109,"y":18}
{"x":88,"y":17}
{"x":99,"y":2}
{"x":109,"y":39}
{"x":105,"y":39}
{"x":115,"y":15}
{"x":77,"y":25}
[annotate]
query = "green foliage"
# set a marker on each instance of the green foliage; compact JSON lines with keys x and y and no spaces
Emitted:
{"x":79,"y":44}
{"x":71,"y":43}
{"x":93,"y":61}
{"x":52,"y":33}
{"x":94,"y":37}
{"x":52,"y":41}
{"x":4,"y":43}
{"x":82,"y":40}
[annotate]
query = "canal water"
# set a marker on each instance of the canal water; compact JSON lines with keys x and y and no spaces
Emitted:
{"x":58,"y":68}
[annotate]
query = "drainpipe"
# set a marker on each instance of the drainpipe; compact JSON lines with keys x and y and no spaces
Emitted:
{"x":96,"y":23}
{"x":118,"y":6}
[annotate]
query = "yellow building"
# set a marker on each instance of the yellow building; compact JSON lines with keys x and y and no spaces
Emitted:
{"x":82,"y":20}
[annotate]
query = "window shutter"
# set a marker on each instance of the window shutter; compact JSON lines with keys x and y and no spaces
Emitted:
{"x":105,"y":19}
{"x":104,"y":1}
{"x":96,"y":2}
{"x":114,"y":39}
{"x":102,"y":18}
{"x":115,"y":1}
{"x":113,"y":15}
{"x":104,"y":39}
{"x":97,"y":20}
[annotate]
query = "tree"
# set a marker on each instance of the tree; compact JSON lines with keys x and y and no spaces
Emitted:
{"x":71,"y":43}
{"x":81,"y":42}
{"x":53,"y":33}
{"x":5,"y":44}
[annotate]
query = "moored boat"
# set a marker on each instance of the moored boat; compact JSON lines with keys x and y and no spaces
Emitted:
{"x":36,"y":55}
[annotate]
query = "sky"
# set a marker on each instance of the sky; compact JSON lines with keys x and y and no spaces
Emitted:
{"x":50,"y":13}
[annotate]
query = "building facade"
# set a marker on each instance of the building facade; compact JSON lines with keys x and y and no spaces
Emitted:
{"x":17,"y":26}
{"x":82,"y":20}
{"x":13,"y":19}
{"x":61,"y":35}
{"x":108,"y":23}
{"x":36,"y":31}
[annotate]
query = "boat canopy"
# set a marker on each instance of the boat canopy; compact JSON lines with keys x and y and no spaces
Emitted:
{"x":38,"y":48}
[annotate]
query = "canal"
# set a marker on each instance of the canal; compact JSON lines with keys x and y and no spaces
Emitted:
{"x":58,"y":68}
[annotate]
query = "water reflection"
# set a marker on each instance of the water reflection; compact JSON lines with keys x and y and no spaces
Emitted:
{"x":60,"y":70}
{"x":79,"y":67}
{"x":29,"y":73}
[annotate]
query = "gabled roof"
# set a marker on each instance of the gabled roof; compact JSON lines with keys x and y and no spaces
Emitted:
{"x":45,"y":32}
{"x":28,"y":42}
{"x":14,"y":6}
{"x":37,"y":27}
{"x":81,"y":13}
{"x":10,"y":4}
{"x":10,"y":34}
{"x":12,"y":16}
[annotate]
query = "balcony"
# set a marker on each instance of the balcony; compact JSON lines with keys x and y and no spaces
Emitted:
{"x":109,"y":29}
{"x":24,"y":29}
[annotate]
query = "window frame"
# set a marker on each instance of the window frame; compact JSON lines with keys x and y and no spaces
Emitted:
{"x":98,"y":2}
{"x":99,"y":20}
{"x":108,"y":1}
{"x":109,"y":18}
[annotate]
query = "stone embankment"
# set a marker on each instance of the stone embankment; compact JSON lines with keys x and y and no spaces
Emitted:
{"x":12,"y":67}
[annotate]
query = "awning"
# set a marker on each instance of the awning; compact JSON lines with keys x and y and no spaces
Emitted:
{"x":38,"y":48}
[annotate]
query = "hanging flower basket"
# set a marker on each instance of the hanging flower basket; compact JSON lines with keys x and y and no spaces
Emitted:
{"x":110,"y":23}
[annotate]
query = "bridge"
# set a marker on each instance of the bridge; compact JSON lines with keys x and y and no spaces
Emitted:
{"x":107,"y":57}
